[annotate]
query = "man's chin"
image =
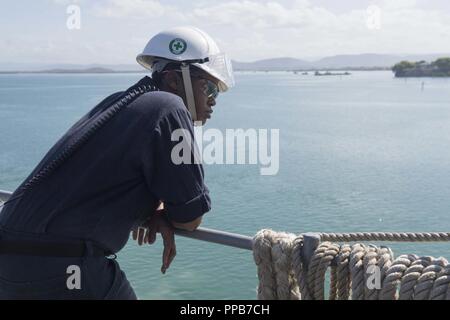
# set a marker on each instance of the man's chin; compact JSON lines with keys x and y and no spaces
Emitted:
{"x":203,"y":119}
{"x":200,"y":122}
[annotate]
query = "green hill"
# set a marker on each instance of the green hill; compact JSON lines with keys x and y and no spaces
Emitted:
{"x":438,"y":68}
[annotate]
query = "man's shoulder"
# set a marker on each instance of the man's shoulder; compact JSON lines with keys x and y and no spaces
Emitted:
{"x":159,"y":104}
{"x":163,"y":100}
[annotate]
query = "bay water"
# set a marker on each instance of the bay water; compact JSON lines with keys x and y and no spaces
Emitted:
{"x":365,"y":152}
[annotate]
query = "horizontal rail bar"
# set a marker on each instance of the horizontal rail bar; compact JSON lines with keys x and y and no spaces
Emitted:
{"x":219,"y":237}
{"x":246,"y":242}
{"x":4,"y":195}
{"x":203,"y":234}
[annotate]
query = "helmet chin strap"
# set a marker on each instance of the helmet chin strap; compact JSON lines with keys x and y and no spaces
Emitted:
{"x":185,"y":71}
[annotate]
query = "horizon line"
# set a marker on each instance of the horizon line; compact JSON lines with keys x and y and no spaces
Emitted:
{"x":305,"y":59}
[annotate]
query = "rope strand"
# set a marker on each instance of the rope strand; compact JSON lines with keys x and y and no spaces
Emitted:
{"x":358,"y":271}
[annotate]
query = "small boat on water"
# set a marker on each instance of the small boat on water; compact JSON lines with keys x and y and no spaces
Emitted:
{"x":318,"y":73}
{"x":305,"y":73}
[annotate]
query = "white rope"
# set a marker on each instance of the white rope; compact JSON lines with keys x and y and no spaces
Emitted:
{"x":357,"y":272}
{"x":273,"y":256}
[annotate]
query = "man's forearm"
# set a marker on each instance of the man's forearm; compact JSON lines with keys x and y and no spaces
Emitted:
{"x":189,"y":226}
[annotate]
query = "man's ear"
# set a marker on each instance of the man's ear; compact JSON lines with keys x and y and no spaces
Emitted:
{"x":172,"y":80}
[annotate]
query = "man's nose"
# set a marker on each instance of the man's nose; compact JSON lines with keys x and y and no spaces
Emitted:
{"x":211,"y":102}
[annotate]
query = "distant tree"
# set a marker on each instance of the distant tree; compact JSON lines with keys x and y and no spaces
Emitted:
{"x":438,"y":68}
{"x":401,"y":67}
{"x":443,"y":64}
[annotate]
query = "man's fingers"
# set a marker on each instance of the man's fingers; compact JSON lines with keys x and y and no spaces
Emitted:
{"x":172,"y":255}
{"x":134,"y":234}
{"x":141,"y":234}
{"x":152,"y":230}
{"x":165,"y":258}
{"x":169,"y":251}
{"x":168,"y":257}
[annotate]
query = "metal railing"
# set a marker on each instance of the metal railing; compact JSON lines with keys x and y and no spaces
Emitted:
{"x":203,"y":234}
{"x":4,"y":195}
{"x":311,"y":241}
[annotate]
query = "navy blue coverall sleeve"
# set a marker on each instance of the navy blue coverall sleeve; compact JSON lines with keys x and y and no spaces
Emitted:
{"x":180,"y":186}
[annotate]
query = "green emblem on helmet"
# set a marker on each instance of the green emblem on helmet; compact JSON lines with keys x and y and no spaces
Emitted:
{"x":177,"y":46}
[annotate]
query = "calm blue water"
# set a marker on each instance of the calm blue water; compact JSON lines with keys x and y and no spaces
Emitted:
{"x":361,"y":153}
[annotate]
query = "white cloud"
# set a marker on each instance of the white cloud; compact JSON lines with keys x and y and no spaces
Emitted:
{"x":132,"y":9}
{"x":270,"y":29}
{"x":261,"y":15}
{"x":398,"y":4}
{"x":67,"y":2}
{"x":246,"y":29}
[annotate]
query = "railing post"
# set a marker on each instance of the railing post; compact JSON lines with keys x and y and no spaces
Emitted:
{"x":310,"y":243}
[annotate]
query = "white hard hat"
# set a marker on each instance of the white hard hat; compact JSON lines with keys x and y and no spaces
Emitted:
{"x":192,"y":46}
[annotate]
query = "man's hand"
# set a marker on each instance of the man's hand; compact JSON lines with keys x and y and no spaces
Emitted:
{"x":146,"y":233}
{"x":189,"y":226}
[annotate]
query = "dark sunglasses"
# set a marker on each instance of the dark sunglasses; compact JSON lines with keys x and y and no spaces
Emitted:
{"x":211,"y":90}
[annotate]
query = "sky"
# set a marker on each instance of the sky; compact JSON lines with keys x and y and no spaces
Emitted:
{"x":115,"y":31}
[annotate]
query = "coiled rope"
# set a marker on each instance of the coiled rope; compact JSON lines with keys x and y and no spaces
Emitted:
{"x":357,"y":271}
{"x":386,"y":236}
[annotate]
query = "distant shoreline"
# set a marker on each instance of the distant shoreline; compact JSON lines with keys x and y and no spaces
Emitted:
{"x":72,"y":71}
{"x":108,"y":71}
{"x":342,"y":62}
